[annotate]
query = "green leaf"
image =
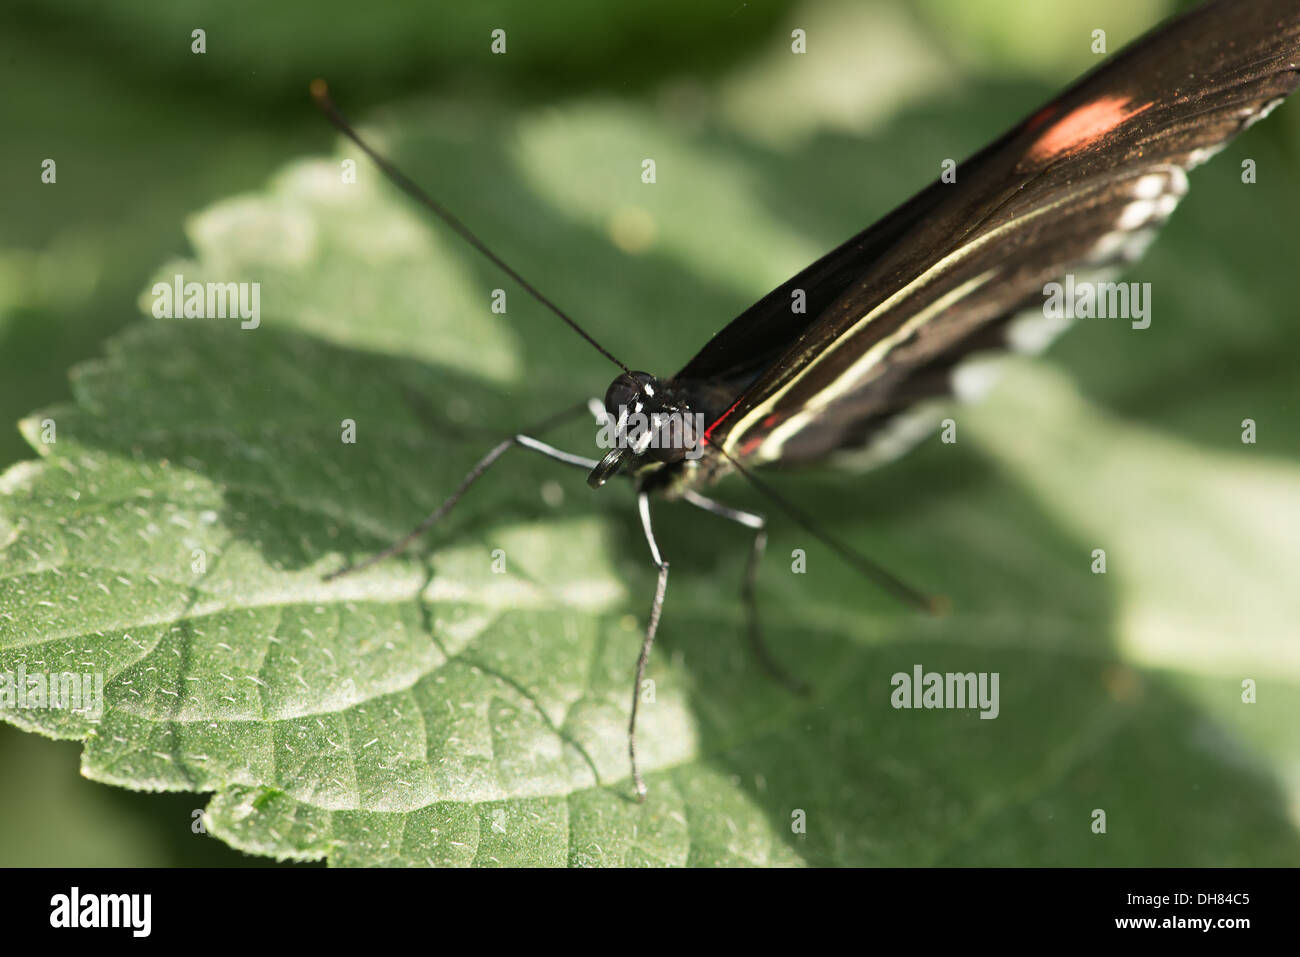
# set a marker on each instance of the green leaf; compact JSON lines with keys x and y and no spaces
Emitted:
{"x":266,"y":55}
{"x":433,"y":710}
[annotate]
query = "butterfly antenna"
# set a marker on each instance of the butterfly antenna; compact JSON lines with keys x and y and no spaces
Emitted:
{"x":320,"y":93}
{"x":890,"y":583}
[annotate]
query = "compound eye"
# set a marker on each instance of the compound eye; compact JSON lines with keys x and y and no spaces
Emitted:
{"x":625,"y":391}
{"x":621,"y":392}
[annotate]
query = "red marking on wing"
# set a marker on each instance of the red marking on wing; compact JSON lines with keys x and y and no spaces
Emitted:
{"x":709,"y":431}
{"x":1039,"y":118}
{"x":1083,"y":126}
{"x":752,"y":444}
{"x":771,"y":420}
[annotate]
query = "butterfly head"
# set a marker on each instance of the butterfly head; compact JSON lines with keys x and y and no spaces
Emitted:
{"x":649,"y":422}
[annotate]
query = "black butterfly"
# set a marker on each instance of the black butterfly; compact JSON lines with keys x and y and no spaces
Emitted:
{"x":888,"y":316}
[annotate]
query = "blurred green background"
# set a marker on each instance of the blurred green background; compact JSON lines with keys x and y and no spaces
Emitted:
{"x":146,"y":133}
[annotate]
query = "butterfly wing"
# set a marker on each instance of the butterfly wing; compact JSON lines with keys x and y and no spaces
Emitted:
{"x":1082,"y":184}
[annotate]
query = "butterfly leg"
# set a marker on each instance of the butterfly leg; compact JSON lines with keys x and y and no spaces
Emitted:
{"x":748,"y":595}
{"x":652,"y":625}
{"x":485,"y":463}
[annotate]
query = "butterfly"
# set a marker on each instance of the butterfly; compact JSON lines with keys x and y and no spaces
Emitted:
{"x":888,"y":319}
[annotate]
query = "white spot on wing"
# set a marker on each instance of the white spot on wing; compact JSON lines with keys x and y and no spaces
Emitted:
{"x":1156,"y":197}
{"x":1177,"y":180}
{"x":1264,"y":111}
{"x":1136,"y":214}
{"x":1149,"y":186}
{"x":1198,"y":156}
